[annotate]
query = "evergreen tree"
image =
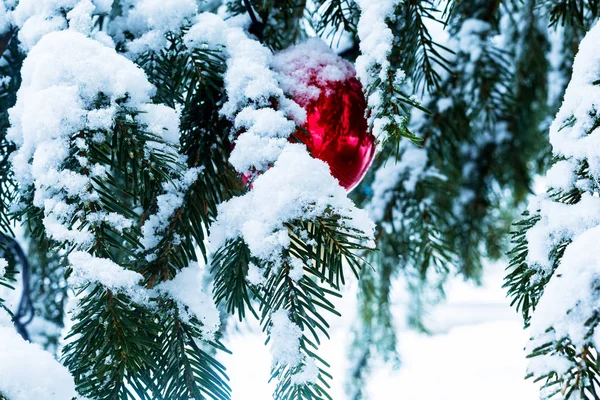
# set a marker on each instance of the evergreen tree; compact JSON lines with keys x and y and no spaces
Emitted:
{"x":152,"y":162}
{"x":552,"y":272}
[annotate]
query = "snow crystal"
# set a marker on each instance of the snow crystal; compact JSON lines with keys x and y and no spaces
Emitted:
{"x":297,"y":269}
{"x":3,"y":265}
{"x":161,"y":15}
{"x":282,"y":194}
{"x":256,"y":152}
{"x":36,"y":18}
{"x":80,"y":17}
{"x":209,"y":30}
{"x":28,"y":372}
{"x":186,"y":290}
{"x":265,"y":135}
{"x":562,"y":175}
{"x":262,"y":122}
{"x":161,"y":121}
{"x":114,"y":220}
{"x":285,"y":339}
{"x":56,"y":229}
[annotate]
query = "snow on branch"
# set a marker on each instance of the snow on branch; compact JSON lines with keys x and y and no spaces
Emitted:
{"x":186,"y":290}
{"x":285,"y":193}
{"x":36,"y":18}
{"x":168,"y":202}
{"x":149,"y":21}
{"x":74,"y":71}
{"x":380,"y":81}
{"x":255,"y":101}
{"x":285,"y":349}
{"x":90,"y":269}
{"x":90,"y":85}
{"x":290,"y":186}
{"x":376,"y":39}
{"x":569,"y":301}
{"x":566,"y":315}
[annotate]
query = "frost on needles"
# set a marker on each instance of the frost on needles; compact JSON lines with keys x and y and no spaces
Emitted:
{"x":111,"y":212}
{"x":292,"y":216}
{"x":556,"y":268}
{"x":116,"y":172}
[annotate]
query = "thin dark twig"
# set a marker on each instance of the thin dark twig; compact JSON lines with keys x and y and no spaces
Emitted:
{"x":25,"y":312}
{"x":257,"y":27}
{"x":5,"y":41}
{"x":251,"y":12}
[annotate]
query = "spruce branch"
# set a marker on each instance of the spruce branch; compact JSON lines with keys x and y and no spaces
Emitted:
{"x":324,"y":248}
{"x":571,"y":12}
{"x":547,"y":258}
{"x":230,"y":268}
{"x":185,"y":370}
{"x":332,"y":17}
{"x":109,"y":351}
{"x":412,"y":33}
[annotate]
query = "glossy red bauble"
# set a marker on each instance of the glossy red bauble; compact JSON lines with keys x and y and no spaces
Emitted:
{"x":336,"y":129}
{"x":337,"y":132}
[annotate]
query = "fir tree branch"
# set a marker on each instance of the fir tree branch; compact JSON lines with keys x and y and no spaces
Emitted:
{"x":331,"y":17}
{"x":230,"y":268}
{"x":571,"y":12}
{"x":412,"y":33}
{"x":109,"y":354}
{"x":186,"y":371}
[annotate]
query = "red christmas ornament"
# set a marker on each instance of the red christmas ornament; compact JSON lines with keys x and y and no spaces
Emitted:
{"x":336,"y":129}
